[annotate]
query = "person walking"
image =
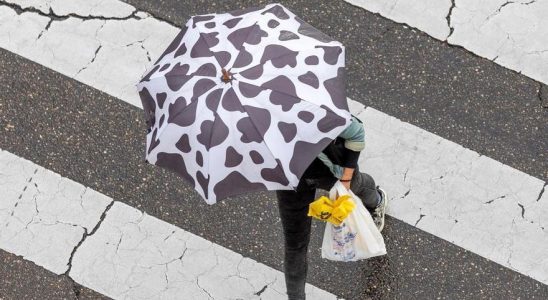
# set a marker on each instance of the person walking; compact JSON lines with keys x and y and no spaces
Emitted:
{"x":338,"y":161}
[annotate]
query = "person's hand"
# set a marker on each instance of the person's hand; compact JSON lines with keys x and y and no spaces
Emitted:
{"x":346,"y":184}
{"x":347,"y":177}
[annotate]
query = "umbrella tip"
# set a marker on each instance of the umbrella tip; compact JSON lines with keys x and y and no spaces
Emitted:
{"x":227,"y":76}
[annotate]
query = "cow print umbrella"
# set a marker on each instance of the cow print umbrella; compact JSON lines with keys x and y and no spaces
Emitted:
{"x":244,"y":101}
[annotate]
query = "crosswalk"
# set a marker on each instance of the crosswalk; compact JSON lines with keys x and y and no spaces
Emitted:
{"x":440,"y":187}
{"x":510,"y":33}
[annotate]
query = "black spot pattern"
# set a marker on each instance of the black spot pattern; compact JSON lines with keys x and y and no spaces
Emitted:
{"x":180,"y":51}
{"x":306,"y":116}
{"x":234,"y":184}
{"x":161,"y":98}
{"x":207,"y":70}
{"x":249,"y":90}
{"x":201,"y":87}
{"x":182,"y":114}
{"x":198,"y":19}
{"x":331,"y":54}
{"x":248,"y":131}
{"x":162,"y":119}
{"x":183,"y":144}
{"x":149,"y":106}
{"x":244,"y":59}
{"x":231,"y":102}
{"x":284,"y":100}
{"x":253,"y":73}
{"x":337,"y":89}
{"x":213,"y":99}
{"x":199,"y":159}
{"x":232,"y":22}
{"x":260,"y":118}
{"x":330,"y":121}
{"x":280,"y":56}
{"x":213,"y":133}
{"x":311,"y":79}
{"x":288,"y":131}
{"x":304,"y":153}
{"x":176,"y":163}
{"x":177,"y":77}
{"x":233,"y":158}
{"x":256,"y":157}
{"x":204,"y":182}
{"x":275,"y":174}
{"x":154,"y":142}
{"x":287,"y":35}
{"x":312,"y":60}
{"x":251,"y":35}
{"x":273,"y":23}
{"x":164,"y":67}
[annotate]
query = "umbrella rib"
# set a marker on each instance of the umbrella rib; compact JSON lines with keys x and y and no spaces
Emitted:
{"x":245,"y":40}
{"x":282,"y":92}
{"x":210,"y":138}
{"x":186,"y":107}
{"x":283,"y":55}
{"x":174,"y":75}
{"x":209,"y":47}
{"x":264,"y":141}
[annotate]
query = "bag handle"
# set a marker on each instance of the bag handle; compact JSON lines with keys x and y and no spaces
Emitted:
{"x":338,"y":189}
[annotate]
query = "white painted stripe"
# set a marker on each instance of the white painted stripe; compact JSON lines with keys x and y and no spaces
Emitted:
{"x":42,"y":215}
{"x":514,"y":34}
{"x":131,"y":255}
{"x":110,"y":55}
{"x":454,"y":193}
{"x":394,"y":158}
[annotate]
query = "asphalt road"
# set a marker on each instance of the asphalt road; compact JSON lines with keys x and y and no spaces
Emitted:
{"x":97,"y":140}
{"x":405,"y":73}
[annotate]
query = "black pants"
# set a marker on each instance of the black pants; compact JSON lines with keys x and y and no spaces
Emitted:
{"x":293,"y":206}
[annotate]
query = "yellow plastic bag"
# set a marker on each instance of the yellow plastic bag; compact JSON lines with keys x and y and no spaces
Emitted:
{"x":333,"y":212}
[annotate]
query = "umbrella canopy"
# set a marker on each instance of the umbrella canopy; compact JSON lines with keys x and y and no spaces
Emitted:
{"x":244,"y":101}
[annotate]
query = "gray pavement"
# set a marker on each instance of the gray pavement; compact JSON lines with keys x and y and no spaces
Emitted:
{"x":97,"y":140}
{"x":22,"y":279}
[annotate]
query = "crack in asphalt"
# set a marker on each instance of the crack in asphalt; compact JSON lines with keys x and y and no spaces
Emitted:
{"x":522,"y":210}
{"x":45,"y":29}
{"x":420,"y":218}
{"x":85,"y":235}
{"x":542,"y":94}
{"x":541,"y":191}
{"x":448,"y":18}
{"x":92,"y":60}
{"x":491,"y":201}
{"x":261,"y":290}
{"x":52,"y":15}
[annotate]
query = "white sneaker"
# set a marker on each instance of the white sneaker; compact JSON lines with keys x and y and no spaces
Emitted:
{"x":379,"y":212}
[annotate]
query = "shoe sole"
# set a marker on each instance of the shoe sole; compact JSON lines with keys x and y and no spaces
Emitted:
{"x":384,"y":204}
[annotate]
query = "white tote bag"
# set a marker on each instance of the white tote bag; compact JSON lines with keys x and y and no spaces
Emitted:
{"x":356,"y":238}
